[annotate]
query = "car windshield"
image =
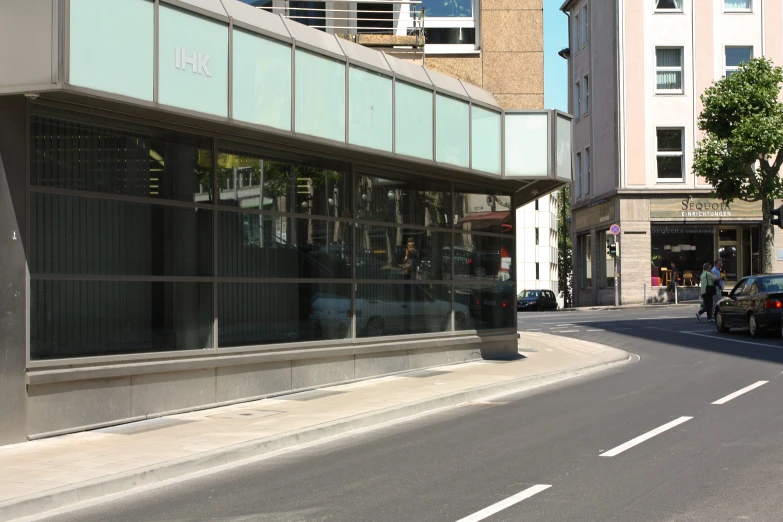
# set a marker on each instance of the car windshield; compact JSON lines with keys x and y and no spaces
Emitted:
{"x":771,"y":284}
{"x":531,"y":293}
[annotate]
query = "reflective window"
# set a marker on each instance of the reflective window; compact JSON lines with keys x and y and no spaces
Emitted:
{"x":484,"y":307}
{"x":256,"y":245}
{"x":409,"y":202}
{"x":477,"y":212}
{"x":320,"y":96}
{"x":399,"y":253}
{"x":486,"y":139}
{"x":452,"y":131}
{"x":399,"y":309}
{"x":485,"y":257}
{"x":266,"y":313}
{"x":77,"y":235}
{"x":688,"y":247}
{"x":250,"y":181}
{"x":88,"y":318}
{"x":413,"y":114}
{"x":370,"y":110}
{"x":81,"y":156}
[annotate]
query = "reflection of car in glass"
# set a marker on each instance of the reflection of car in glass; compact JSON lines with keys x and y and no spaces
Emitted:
{"x":387,"y":310}
{"x":756,"y":303}
{"x":486,"y":264}
{"x":534,"y":300}
{"x":494,"y":307}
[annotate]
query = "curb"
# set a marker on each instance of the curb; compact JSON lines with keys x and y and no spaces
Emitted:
{"x":71,"y":495}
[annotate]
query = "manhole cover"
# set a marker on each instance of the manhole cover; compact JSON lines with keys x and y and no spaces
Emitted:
{"x":143,"y":426}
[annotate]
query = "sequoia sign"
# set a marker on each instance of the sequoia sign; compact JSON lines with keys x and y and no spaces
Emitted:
{"x":694,"y":209}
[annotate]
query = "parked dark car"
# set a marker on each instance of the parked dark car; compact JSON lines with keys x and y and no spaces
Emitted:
{"x":756,"y":303}
{"x":535,"y":300}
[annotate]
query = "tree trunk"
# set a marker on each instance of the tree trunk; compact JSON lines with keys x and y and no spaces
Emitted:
{"x":767,"y":237}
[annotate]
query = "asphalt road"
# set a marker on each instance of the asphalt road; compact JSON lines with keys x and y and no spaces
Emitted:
{"x":641,"y":442}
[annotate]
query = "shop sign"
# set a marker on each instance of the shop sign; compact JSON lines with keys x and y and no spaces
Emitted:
{"x":696,"y":209}
{"x":602,"y":214}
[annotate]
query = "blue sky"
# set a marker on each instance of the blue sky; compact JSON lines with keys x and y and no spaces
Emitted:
{"x":555,"y":68}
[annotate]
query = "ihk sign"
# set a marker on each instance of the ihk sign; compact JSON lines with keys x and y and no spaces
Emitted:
{"x":197,"y":61}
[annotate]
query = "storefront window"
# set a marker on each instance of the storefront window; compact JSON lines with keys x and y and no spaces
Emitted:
{"x":607,"y":261}
{"x":585,"y":244}
{"x":688,"y":247}
{"x":137,"y":247}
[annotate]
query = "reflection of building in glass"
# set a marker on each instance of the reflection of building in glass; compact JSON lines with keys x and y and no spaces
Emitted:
{"x":317,"y":212}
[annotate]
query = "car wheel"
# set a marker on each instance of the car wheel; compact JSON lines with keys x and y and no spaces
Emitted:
{"x":755,"y":331}
{"x":374,"y":327}
{"x":719,"y":324}
{"x":480,"y":271}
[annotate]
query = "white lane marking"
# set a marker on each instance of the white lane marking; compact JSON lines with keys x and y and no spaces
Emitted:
{"x":564,"y":331}
{"x":641,"y":438}
{"x":503,"y":504}
{"x":722,"y":338}
{"x":533,"y":330}
{"x":737,"y":393}
{"x":598,"y":330}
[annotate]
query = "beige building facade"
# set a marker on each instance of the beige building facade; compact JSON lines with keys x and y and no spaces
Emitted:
{"x":637,"y":69}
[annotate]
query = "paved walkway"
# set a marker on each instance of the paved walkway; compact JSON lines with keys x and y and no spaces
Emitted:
{"x":48,"y":474}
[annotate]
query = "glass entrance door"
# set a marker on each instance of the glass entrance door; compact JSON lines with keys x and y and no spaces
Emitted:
{"x":728,"y":250}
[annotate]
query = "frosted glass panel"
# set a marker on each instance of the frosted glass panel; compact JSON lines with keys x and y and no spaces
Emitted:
{"x":112,"y":46}
{"x":370,"y":109}
{"x":564,"y":149}
{"x":413,"y":116}
{"x":452,"y":138}
{"x":486,"y":139}
{"x":320,"y":96}
{"x":262,"y":81}
{"x":193,"y":62}
{"x":526,"y":145}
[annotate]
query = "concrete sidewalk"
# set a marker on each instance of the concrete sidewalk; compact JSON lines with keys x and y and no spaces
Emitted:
{"x":50,"y":474}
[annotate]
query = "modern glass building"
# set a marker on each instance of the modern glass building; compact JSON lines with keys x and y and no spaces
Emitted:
{"x":204,"y":203}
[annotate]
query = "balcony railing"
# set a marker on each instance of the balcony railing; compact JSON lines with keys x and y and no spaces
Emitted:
{"x":373,"y":23}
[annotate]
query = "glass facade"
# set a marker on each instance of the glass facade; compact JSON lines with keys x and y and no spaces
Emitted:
{"x":148,"y":240}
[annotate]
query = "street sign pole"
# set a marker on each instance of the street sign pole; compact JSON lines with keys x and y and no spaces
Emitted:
{"x":615,"y":230}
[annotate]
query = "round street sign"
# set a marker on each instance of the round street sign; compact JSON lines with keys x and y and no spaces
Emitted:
{"x":614,"y":229}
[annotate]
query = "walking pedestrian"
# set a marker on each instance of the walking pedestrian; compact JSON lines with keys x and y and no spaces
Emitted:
{"x":708,"y":291}
{"x":720,"y":282}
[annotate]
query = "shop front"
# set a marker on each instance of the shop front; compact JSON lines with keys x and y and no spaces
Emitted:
{"x":664,"y":241}
{"x":218,"y":204}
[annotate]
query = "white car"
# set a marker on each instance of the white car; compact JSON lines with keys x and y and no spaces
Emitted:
{"x":386,"y":309}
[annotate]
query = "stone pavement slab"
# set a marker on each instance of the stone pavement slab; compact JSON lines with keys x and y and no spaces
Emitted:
{"x":48,"y":474}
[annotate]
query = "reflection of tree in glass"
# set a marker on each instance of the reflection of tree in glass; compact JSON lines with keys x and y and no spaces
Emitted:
{"x":448,"y":8}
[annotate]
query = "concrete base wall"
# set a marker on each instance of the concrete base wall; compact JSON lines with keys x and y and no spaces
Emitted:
{"x":63,"y":401}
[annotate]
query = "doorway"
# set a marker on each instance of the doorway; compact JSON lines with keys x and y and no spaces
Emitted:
{"x":728,"y":250}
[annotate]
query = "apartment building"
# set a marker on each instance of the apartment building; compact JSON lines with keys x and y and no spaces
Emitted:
{"x":637,"y":69}
{"x":493,"y":44}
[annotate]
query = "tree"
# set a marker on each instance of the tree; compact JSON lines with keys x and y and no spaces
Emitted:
{"x":564,"y":260}
{"x":742,"y":149}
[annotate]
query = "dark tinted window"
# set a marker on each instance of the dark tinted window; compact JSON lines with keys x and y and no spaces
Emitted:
{"x":81,"y":156}
{"x":87,"y":318}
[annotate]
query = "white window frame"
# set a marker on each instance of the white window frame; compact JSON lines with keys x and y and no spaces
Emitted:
{"x":588,"y":172}
{"x":578,"y":174}
{"x":577,"y":100}
{"x":585,"y":27}
{"x":737,"y":11}
{"x":658,"y":10}
{"x":733,"y":68}
{"x":474,"y":22}
{"x":681,"y":155}
{"x":586,"y":92}
{"x":680,"y":69}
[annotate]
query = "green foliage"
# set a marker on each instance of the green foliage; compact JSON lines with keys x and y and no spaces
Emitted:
{"x":564,"y":248}
{"x":742,"y":119}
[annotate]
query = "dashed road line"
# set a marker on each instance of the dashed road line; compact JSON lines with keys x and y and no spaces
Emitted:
{"x":723,"y":338}
{"x":737,"y":393}
{"x":641,"y":438}
{"x":504,"y":504}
